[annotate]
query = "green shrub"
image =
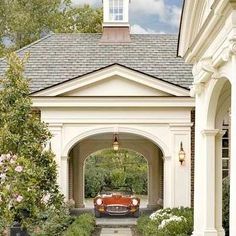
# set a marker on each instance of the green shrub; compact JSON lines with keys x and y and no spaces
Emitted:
{"x":175,"y":222}
{"x":226,"y":196}
{"x":84,"y":225}
{"x":53,"y":222}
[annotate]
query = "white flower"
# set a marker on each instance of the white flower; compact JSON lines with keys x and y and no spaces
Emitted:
{"x":8,"y":186}
{"x":8,"y":156}
{"x":2,"y":157}
{"x":19,"y":169}
{"x":3,"y":176}
{"x":19,"y":198}
{"x":46,"y":198}
{"x":173,"y":218}
{"x":12,"y":161}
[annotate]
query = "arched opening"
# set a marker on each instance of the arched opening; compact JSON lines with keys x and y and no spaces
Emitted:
{"x":219,"y":118}
{"x":116,"y":168}
{"x":82,"y":150}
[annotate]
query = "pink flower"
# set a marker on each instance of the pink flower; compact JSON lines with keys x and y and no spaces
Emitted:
{"x":46,"y":198}
{"x":19,"y":198}
{"x":19,"y":169}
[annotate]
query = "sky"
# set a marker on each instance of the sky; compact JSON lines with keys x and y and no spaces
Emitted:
{"x":150,"y":16}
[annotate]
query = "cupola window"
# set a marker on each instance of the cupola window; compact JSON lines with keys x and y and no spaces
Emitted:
{"x":116,"y":10}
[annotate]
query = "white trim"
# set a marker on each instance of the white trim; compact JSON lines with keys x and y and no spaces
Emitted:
{"x":186,"y":102}
{"x":114,"y":70}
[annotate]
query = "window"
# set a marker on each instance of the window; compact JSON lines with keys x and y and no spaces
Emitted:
{"x":225,"y":150}
{"x":116,"y":9}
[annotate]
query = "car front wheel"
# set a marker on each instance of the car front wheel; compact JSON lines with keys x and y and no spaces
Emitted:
{"x":136,"y":214}
{"x":97,"y":213}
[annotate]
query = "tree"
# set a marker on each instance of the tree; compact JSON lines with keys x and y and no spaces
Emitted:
{"x":108,"y":167}
{"x":82,"y":19}
{"x":28,"y":172}
{"x":24,"y":21}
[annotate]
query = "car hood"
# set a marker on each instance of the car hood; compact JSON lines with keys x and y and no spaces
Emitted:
{"x":116,"y":200}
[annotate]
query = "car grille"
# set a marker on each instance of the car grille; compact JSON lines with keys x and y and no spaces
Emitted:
{"x":117,"y":209}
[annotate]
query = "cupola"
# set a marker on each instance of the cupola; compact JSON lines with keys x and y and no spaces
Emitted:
{"x":116,"y":28}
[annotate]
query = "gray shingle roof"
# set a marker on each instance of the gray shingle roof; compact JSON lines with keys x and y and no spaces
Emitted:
{"x":60,"y":57}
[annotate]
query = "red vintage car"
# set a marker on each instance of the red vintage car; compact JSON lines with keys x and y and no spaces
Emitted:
{"x":116,"y":201}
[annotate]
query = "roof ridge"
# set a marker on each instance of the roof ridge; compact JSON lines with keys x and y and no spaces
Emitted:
{"x":31,"y":44}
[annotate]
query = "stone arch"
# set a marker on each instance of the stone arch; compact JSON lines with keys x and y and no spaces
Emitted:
{"x":80,"y":151}
{"x":217,"y":103}
{"x":156,"y":140}
{"x":212,"y":96}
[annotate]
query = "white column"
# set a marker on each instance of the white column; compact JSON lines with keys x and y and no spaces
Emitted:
{"x":154,"y":180}
{"x":208,"y":173}
{"x":218,"y":183}
{"x":233,"y":150}
{"x":56,"y":143}
{"x":199,"y":179}
{"x":64,"y":170}
{"x":81,"y":184}
{"x":168,"y":183}
{"x":78,"y":179}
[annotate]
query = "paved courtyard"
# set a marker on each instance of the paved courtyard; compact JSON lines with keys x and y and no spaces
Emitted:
{"x":116,"y":232}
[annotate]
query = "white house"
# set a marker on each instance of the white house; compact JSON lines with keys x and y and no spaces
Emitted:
{"x":208,"y":41}
{"x":89,"y":87}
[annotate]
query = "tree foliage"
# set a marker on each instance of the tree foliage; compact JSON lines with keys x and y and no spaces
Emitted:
{"x":112,"y":168}
{"x":28,"y":173}
{"x":24,"y":21}
{"x":226,"y":204}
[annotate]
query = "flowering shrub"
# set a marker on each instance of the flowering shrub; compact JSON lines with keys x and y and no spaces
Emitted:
{"x":28,"y":172}
{"x":176,"y":221}
{"x":20,"y":190}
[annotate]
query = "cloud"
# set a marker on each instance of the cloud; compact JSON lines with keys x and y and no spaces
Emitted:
{"x":137,"y":29}
{"x":90,"y":2}
{"x":169,"y":14}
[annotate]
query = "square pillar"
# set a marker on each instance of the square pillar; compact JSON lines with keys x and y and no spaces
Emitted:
{"x":64,"y":176}
{"x":206,"y":212}
{"x":154,"y":180}
{"x":78,"y":178}
{"x":56,"y":144}
{"x":181,"y":133}
{"x":168,"y":183}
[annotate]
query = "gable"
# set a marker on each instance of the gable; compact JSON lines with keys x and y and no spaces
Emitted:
{"x":115,"y":86}
{"x":115,"y":80}
{"x":194,"y":15}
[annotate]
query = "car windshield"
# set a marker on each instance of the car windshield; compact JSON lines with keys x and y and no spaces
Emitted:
{"x":123,"y":190}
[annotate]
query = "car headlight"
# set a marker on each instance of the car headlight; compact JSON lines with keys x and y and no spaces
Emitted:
{"x":99,"y":201}
{"x":135,"y":202}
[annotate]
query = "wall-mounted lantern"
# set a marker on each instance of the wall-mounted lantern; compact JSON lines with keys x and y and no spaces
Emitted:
{"x":182,"y":154}
{"x":115,"y":143}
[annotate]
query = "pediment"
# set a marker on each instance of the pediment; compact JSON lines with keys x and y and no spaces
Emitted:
{"x":115,"y":80}
{"x":115,"y":86}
